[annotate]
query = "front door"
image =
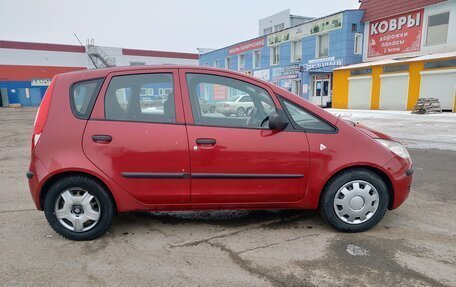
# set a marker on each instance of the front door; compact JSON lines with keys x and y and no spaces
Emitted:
{"x":138,"y":141}
{"x":238,"y":159}
{"x":321,"y":90}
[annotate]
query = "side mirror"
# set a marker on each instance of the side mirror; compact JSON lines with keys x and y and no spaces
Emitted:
{"x":277,"y":122}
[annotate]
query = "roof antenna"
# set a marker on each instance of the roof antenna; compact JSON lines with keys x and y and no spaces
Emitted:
{"x":85,"y":50}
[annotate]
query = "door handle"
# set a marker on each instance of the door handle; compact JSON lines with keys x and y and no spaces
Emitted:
{"x":206,"y":142}
{"x":102,"y":139}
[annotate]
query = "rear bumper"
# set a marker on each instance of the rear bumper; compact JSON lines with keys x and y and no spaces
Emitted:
{"x":35,"y":176}
{"x":401,"y":174}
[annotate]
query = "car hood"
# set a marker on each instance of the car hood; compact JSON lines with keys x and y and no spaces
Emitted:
{"x":372,"y":133}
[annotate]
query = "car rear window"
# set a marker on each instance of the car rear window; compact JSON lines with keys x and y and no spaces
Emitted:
{"x":82,"y":97}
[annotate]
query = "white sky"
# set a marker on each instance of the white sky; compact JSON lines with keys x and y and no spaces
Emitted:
{"x":173,"y":25}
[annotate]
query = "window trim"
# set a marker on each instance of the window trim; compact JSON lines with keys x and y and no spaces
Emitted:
{"x":427,"y":28}
{"x":292,"y":54}
{"x":296,"y":126}
{"x":317,"y":51}
{"x":239,"y":62}
{"x":254,"y":61}
{"x":227,"y":61}
{"x":278,"y":104}
{"x":272,"y":55}
{"x":354,"y":44}
{"x":141,"y":72}
{"x":91,"y":105}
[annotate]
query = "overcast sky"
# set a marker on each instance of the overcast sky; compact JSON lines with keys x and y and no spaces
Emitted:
{"x":172,"y":25}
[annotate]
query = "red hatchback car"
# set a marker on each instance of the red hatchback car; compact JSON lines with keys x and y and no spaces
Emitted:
{"x":135,"y":139}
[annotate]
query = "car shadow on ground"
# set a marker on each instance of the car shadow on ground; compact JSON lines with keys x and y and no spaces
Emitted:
{"x":221,"y":218}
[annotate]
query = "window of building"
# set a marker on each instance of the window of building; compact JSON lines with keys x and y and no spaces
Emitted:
{"x":241,"y":61}
{"x":323,"y":46}
{"x":306,"y":120}
{"x":440,"y":64}
{"x":267,"y":30}
{"x":279,"y":27}
{"x":82,"y":97}
{"x":296,"y":51}
{"x":358,"y":72}
{"x":137,"y":63}
{"x":396,"y":68}
{"x":237,"y":103}
{"x":206,"y":64}
{"x":257,"y":59}
{"x":143,"y":98}
{"x":358,"y":44}
{"x":216,"y":63}
{"x":227,"y":63}
{"x":437,"y":31}
{"x":275,"y":55}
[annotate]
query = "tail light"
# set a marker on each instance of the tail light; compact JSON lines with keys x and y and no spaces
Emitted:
{"x":42,"y":114}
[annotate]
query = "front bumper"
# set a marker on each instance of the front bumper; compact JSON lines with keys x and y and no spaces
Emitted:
{"x":401,"y":174}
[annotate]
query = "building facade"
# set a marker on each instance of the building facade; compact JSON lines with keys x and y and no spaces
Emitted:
{"x":409,"y":52}
{"x":299,"y":59}
{"x":26,"y":69}
{"x":280,"y":21}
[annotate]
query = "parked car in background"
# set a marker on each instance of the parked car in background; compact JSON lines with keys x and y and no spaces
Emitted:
{"x":206,"y":106}
{"x":238,"y":105}
{"x":115,"y":154}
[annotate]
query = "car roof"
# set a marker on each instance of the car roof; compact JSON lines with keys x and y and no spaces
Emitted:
{"x":105,"y":71}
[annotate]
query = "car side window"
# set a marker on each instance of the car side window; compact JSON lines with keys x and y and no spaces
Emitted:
{"x":142,"y":97}
{"x":227,"y":102}
{"x":82,"y":97}
{"x":306,"y":120}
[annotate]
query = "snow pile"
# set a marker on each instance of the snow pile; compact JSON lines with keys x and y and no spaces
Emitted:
{"x":415,"y":131}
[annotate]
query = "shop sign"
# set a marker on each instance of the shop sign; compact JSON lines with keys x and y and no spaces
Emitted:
{"x":40,"y":82}
{"x":395,"y":35}
{"x":247,"y":46}
{"x":318,"y":26}
{"x":285,"y":72}
{"x":322,"y":77}
{"x":220,"y":92}
{"x":262,"y":74}
{"x":322,"y":63}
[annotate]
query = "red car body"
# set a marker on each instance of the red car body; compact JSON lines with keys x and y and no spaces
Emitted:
{"x":190,"y":172}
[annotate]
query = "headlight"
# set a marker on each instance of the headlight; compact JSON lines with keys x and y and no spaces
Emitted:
{"x":395,"y":147}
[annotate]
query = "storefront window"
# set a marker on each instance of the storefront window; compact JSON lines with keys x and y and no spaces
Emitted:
{"x":323,"y":45}
{"x":437,"y":31}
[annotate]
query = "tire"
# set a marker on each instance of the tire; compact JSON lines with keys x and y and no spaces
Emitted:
{"x":354,"y":200}
{"x":240,"y":112}
{"x":81,"y":217}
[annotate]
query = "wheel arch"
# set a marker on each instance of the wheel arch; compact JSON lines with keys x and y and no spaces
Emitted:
{"x":60,"y":175}
{"x":382,"y":174}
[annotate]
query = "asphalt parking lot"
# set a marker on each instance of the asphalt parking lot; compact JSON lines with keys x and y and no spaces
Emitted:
{"x":412,"y":246}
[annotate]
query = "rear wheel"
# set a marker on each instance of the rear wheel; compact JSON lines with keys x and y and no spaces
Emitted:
{"x":354,"y":201}
{"x":78,"y":208}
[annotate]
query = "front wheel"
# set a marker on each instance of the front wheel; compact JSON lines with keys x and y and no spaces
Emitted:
{"x":354,"y":201}
{"x":78,"y":208}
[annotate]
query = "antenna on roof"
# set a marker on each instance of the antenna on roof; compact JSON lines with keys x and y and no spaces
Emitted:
{"x":93,"y":62}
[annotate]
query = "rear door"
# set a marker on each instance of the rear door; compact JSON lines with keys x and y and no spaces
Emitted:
{"x":140,"y":143}
{"x":236,"y":159}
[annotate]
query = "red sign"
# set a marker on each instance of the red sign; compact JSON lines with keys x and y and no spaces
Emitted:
{"x":395,"y":35}
{"x":220,"y":92}
{"x":247,"y":46}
